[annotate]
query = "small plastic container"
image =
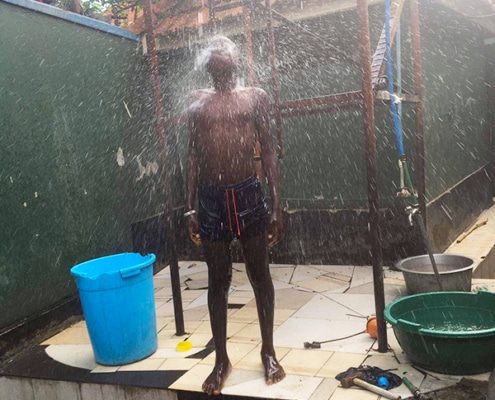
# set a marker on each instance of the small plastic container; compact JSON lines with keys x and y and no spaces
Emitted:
{"x":118,"y":303}
{"x":184,"y":346}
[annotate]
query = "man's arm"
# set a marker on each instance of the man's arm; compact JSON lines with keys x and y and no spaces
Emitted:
{"x":192,"y":181}
{"x":269,"y":161}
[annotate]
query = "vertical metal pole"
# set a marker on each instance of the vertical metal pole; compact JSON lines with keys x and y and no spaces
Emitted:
{"x":248,"y":32}
{"x":418,"y":87}
{"x":275,"y":80}
{"x":370,"y":141}
{"x":212,"y":13}
{"x":170,"y":225}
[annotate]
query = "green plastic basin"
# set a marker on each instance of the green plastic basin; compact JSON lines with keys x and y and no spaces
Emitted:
{"x":447,"y":332}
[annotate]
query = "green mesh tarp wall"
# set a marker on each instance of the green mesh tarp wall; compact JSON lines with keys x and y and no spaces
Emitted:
{"x":324,"y":165}
{"x":78,"y":159}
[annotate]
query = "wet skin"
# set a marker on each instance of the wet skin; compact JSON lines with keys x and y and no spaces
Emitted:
{"x":224,"y":124}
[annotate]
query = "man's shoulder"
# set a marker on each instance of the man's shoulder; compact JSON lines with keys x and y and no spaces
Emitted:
{"x":197,"y":98}
{"x":257,"y":94}
{"x":200,"y":93}
{"x":255,"y":90}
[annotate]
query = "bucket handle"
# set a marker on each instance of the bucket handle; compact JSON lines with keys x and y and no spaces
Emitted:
{"x":131,"y":271}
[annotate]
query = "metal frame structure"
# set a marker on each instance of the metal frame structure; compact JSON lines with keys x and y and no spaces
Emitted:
{"x":366,"y":99}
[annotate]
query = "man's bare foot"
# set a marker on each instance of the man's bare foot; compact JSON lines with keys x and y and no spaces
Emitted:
{"x":215,"y":381}
{"x":273,"y":370}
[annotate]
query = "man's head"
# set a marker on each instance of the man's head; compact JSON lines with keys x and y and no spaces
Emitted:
{"x":221,"y":57}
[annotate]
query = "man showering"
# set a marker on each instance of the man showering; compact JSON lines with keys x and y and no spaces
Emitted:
{"x":225,"y":122}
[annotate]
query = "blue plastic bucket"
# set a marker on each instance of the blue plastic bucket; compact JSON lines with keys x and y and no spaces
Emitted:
{"x":118,"y":303}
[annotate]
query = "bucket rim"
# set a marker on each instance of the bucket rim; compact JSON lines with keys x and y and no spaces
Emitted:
{"x":144,"y":261}
{"x":398,"y":265}
{"x":416,"y":328}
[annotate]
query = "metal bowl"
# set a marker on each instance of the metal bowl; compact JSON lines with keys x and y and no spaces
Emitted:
{"x":456,"y":273}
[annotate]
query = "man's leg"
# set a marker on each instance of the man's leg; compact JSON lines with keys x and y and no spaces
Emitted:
{"x":219,"y":262}
{"x":256,"y":257}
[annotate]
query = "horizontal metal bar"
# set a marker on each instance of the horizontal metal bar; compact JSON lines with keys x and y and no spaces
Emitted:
{"x":73,"y":17}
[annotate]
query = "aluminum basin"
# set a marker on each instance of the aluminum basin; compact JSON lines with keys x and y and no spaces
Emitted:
{"x":455,"y":272}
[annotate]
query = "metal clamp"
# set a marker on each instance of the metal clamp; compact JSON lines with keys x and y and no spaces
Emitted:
{"x":188,"y":213}
{"x":412,"y":211}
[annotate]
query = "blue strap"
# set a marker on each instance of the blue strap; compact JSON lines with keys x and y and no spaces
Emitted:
{"x":390,"y":78}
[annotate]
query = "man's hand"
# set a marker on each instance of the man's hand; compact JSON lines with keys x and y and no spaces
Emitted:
{"x":193,"y":229}
{"x":274,"y":232}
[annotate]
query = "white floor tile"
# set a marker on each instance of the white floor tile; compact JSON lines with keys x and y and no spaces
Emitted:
{"x":167,"y":339}
{"x":105,"y":369}
{"x":278,"y":285}
{"x":325,"y":307}
{"x":178,"y":364}
{"x":325,"y":389}
{"x":197,"y":313}
{"x":342,"y":272}
{"x":239,"y":278}
{"x":191,"y":267}
{"x":282,"y":274}
{"x":161,"y":282}
{"x":358,"y":304}
{"x":148,"y":364}
{"x":292,"y":299}
{"x":201,"y":300}
{"x":163,"y":293}
{"x":163,"y":353}
{"x":295,"y":331}
{"x":249,"y":334}
{"x":191,"y":295}
{"x":353,"y":393}
{"x":361,"y":276}
{"x":282,"y":315}
{"x":161,"y":322}
{"x":165,"y":310}
{"x":365,"y":288}
{"x":305,"y":272}
{"x":245,"y":314}
{"x":193,"y":379}
{"x":323,"y":283}
{"x":292,"y":387}
{"x":431,"y":383}
{"x":75,"y":355}
{"x":305,"y":362}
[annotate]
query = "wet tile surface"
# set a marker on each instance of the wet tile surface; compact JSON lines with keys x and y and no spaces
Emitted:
{"x":325,"y":304}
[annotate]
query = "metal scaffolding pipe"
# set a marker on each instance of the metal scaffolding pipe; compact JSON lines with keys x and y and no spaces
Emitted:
{"x":248,"y":32}
{"x":275,"y":79}
{"x":418,"y":87}
{"x":169,"y":215}
{"x":371,"y":169}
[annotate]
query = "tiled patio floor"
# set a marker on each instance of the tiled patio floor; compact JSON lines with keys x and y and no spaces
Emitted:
{"x":313,"y":303}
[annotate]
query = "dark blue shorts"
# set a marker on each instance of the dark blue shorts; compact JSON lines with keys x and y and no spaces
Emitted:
{"x":234,"y":211}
